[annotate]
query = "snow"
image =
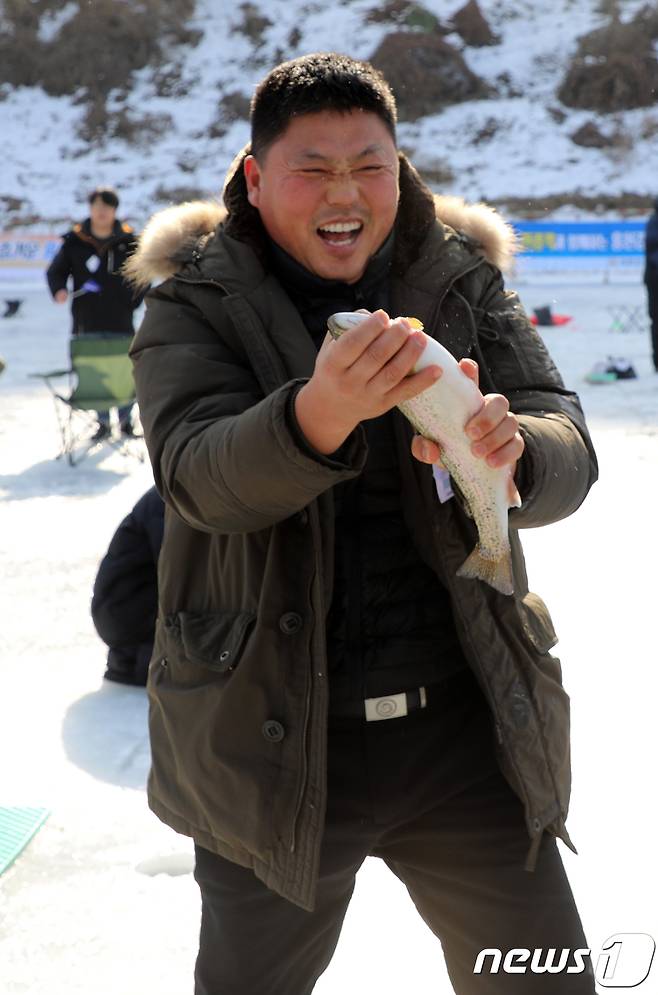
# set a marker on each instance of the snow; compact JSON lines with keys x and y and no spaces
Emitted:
{"x":45,"y":163}
{"x":52,"y":22}
{"x":83,"y":909}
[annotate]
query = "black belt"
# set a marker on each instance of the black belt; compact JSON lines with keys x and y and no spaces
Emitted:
{"x":388,"y":706}
{"x":396,"y":706}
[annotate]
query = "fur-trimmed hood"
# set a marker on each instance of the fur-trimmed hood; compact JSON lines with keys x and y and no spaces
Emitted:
{"x":175,"y":234}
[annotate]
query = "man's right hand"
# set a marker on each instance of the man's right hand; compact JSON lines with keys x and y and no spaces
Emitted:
{"x":361,"y":375}
{"x":61,"y":296}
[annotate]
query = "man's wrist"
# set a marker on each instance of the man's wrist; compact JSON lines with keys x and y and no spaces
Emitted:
{"x":320,"y":428}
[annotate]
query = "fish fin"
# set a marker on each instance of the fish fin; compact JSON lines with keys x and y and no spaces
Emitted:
{"x":497,"y":573}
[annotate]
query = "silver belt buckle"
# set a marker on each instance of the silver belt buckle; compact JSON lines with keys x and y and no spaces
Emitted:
{"x":390,"y":706}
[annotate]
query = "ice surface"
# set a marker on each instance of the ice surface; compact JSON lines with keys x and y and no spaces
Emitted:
{"x":83,"y":911}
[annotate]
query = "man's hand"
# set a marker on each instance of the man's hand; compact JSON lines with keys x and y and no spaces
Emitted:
{"x":61,"y":296}
{"x":361,"y":375}
{"x":494,"y":430}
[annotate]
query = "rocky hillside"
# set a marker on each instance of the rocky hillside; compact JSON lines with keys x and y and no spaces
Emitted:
{"x":534,"y":106}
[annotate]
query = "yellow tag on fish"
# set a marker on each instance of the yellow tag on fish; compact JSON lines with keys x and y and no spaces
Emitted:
{"x":415,"y":323}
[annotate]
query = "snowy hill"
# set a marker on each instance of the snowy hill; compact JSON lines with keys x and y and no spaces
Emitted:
{"x":172,"y":131}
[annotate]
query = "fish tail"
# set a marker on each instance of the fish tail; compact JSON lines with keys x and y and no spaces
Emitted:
{"x":496,"y":572}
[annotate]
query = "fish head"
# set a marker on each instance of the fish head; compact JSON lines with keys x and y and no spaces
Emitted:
{"x":342,"y":321}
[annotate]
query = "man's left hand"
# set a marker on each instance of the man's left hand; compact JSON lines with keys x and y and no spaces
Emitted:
{"x":494,"y":431}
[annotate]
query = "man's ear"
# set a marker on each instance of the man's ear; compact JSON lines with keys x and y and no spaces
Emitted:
{"x":252,"y":177}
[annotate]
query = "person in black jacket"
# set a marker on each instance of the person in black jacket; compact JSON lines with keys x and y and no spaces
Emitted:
{"x":125,"y":599}
{"x":92,"y":254}
{"x":325,"y":685}
{"x":651,"y":278}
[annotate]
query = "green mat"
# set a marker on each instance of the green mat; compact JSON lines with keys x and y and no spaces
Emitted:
{"x":17,"y":827}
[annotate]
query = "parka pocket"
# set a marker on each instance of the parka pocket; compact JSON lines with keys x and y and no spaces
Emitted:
{"x":537,"y":622}
{"x":213,"y":640}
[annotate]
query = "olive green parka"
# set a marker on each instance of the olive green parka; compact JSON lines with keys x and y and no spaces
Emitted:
{"x":238,"y":681}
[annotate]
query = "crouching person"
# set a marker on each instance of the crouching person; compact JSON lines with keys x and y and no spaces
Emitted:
{"x":125,"y":599}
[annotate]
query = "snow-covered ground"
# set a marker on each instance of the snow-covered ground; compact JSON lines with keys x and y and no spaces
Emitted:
{"x":82,"y":911}
{"x":528,"y":152}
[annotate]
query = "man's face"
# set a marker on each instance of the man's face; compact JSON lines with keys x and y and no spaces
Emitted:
{"x":327,"y":191}
{"x":102,"y":215}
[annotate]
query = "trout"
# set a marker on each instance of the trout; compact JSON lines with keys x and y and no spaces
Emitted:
{"x":440,"y":413}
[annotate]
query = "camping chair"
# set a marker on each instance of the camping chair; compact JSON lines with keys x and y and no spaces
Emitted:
{"x":100,"y":378}
{"x":627,"y":317}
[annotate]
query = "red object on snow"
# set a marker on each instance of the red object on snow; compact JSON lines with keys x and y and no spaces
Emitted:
{"x":556,"y":319}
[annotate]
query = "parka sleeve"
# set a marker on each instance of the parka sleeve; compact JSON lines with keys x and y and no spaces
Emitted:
{"x":223,"y":454}
{"x":59,"y":270}
{"x":559,"y":463}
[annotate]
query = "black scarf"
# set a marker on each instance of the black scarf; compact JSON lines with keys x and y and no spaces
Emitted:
{"x":316,"y":298}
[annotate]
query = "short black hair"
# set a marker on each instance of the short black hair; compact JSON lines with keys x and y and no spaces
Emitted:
{"x":323,"y":81}
{"x":108,"y":195}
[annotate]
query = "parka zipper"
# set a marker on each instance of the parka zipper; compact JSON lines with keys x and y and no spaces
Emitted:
{"x":313,"y":518}
{"x":353,"y":651}
{"x":300,"y":796}
{"x":202,"y":282}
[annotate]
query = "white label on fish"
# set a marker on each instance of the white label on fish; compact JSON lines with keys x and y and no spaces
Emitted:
{"x":443,"y":485}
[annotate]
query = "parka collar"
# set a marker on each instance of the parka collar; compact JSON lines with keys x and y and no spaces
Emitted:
{"x":82,"y":231}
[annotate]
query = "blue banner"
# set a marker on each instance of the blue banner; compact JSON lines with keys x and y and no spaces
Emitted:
{"x":27,"y":249}
{"x":581,"y":238}
{"x":24,"y":257}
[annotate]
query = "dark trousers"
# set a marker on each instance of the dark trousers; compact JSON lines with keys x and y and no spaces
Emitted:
{"x":652,"y":294}
{"x":424,"y":793}
{"x":125,"y":416}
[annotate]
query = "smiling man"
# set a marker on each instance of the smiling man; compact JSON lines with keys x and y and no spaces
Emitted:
{"x":327,"y":191}
{"x":324,"y":686}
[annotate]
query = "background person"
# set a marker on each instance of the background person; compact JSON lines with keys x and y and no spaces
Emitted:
{"x":124,"y":604}
{"x":91,"y":255}
{"x":651,"y":279}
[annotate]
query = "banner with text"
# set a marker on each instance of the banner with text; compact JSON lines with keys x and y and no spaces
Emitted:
{"x":24,"y":257}
{"x":603,"y":247}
